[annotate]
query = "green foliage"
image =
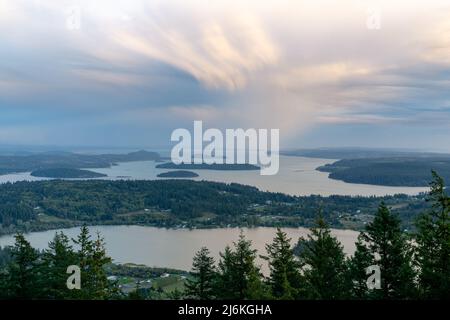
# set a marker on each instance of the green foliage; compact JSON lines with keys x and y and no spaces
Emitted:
{"x":204,"y":273}
{"x":392,"y":252}
{"x":56,"y":259}
{"x":284,"y":279}
{"x":239,"y":277}
{"x":22,"y":272}
{"x":42,"y":275}
{"x":42,"y":205}
{"x":96,"y":201}
{"x":356,"y":272}
{"x":92,"y":258}
{"x":433,"y":244}
{"x":323,"y":264}
{"x":412,"y":265}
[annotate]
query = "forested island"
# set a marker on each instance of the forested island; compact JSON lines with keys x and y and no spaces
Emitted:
{"x":392,"y":171}
{"x":178,"y":174}
{"x":384,"y":167}
{"x":67,"y":173}
{"x":204,"y":166}
{"x":43,"y":205}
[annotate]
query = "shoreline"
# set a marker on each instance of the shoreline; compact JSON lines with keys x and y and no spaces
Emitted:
{"x":78,"y":225}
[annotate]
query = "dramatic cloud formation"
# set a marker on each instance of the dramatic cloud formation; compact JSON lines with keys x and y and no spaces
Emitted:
{"x":128,"y":72}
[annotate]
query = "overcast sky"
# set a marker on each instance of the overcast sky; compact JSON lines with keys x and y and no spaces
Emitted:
{"x":326,"y":73}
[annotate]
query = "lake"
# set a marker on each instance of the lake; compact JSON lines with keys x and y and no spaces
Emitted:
{"x":297,"y":176}
{"x":175,"y":248}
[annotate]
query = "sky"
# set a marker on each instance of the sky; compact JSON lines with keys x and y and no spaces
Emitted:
{"x":127,"y":73}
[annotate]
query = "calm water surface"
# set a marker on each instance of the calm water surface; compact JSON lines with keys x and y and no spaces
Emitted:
{"x":297,"y":176}
{"x":175,"y":248}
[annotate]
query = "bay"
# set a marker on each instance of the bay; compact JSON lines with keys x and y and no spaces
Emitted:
{"x":174,"y":248}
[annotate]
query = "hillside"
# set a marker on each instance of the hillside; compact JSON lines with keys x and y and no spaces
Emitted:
{"x":43,"y":205}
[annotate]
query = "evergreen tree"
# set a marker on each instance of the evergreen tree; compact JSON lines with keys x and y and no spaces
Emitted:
{"x":99,"y":281}
{"x":92,"y":258}
{"x":204,"y":273}
{"x":23,"y":277}
{"x":284,"y":279}
{"x":392,"y":253}
{"x":323,"y":264}
{"x":356,"y":275}
{"x":239,"y":277}
{"x":256,"y":287}
{"x":84,"y":258}
{"x":56,"y":259}
{"x":433,"y":244}
{"x":223,"y":290}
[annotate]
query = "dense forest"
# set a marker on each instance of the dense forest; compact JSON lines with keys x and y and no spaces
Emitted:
{"x":389,"y":171}
{"x":43,"y":205}
{"x":389,"y":264}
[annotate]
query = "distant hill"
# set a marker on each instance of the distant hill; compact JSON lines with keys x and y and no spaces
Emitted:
{"x":358,"y":153}
{"x":66,"y":173}
{"x":59,"y":159}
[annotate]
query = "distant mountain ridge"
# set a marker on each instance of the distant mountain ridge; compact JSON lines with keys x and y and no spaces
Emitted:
{"x":358,"y":153}
{"x":61,"y":159}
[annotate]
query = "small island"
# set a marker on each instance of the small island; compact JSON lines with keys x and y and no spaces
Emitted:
{"x":66,"y":173}
{"x":178,"y":174}
{"x":204,"y":166}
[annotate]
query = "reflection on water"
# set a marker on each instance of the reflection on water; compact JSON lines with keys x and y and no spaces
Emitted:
{"x":175,"y":248}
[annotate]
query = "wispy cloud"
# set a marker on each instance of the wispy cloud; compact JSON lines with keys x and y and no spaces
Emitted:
{"x":291,"y":65}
